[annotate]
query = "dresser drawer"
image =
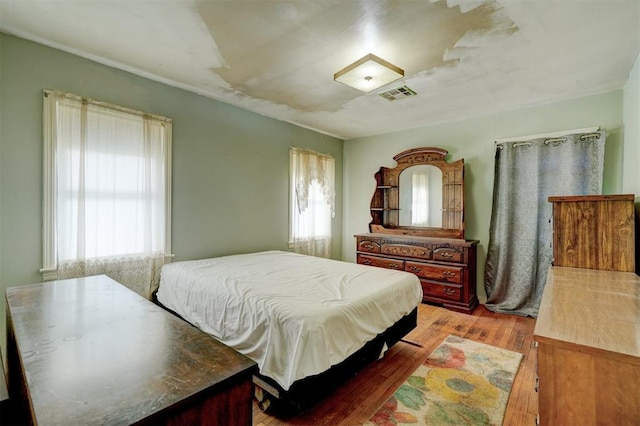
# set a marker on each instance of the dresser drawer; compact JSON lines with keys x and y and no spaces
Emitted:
{"x":381,"y":262}
{"x":368,"y":246}
{"x":449,"y":274}
{"x":406,"y":250}
{"x":442,"y":291}
{"x":448,"y":254}
{"x":446,"y":267}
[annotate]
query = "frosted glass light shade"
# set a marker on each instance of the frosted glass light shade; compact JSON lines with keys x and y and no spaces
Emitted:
{"x":368,"y":73}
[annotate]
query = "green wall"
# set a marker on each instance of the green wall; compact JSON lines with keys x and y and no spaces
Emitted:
{"x":230,"y":166}
{"x":631,"y":172}
{"x":473,"y":140}
{"x":631,"y":169}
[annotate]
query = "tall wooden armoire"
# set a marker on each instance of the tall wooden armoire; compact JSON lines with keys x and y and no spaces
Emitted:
{"x":594,"y":232}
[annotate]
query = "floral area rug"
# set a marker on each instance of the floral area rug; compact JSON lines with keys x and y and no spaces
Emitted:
{"x":461,"y":383}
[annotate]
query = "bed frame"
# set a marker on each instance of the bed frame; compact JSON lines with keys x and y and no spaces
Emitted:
{"x":306,"y":392}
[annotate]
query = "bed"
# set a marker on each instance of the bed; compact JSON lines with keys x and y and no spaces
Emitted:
{"x":306,"y":321}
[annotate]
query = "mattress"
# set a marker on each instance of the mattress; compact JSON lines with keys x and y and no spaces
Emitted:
{"x":294,"y":315}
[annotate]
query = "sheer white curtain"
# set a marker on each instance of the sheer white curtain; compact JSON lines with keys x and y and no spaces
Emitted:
{"x":111,"y":194}
{"x":419,"y":199}
{"x":312,"y":201}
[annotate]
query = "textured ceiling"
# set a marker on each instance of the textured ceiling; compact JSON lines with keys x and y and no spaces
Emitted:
{"x":277,"y":58}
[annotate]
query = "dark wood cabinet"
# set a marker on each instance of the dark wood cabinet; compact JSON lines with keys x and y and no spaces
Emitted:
{"x":594,"y":232}
{"x":5,"y":404}
{"x":90,"y":351}
{"x":446,"y":268}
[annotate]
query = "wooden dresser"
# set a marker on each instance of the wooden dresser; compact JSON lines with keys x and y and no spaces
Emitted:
{"x":446,"y":267}
{"x":417,"y":226}
{"x":90,"y":351}
{"x":589,"y":348}
{"x":595,"y":232}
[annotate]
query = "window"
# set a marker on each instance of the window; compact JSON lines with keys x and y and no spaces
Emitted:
{"x":107,"y":191}
{"x":312,"y":200}
{"x":420,"y":199}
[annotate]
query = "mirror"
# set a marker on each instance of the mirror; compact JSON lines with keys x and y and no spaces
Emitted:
{"x":420,"y":192}
{"x":422,"y":196}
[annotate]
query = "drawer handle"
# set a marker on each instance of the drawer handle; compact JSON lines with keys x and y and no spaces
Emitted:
{"x":448,"y":274}
{"x":446,"y":255}
{"x":393,"y":266}
{"x":366,"y":262}
{"x":449,"y":291}
{"x":368,"y":246}
{"x":415,"y":268}
{"x":422,"y":253}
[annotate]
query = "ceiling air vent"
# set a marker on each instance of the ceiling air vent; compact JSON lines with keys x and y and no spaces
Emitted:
{"x":398,"y":93}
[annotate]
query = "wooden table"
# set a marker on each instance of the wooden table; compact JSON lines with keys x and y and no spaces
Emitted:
{"x":4,"y":396}
{"x":90,"y":351}
{"x":588,"y":334}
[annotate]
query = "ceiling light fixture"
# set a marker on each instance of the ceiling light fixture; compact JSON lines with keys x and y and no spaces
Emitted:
{"x":368,"y":73}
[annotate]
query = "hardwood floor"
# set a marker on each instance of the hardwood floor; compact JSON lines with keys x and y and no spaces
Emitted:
{"x":361,"y":396}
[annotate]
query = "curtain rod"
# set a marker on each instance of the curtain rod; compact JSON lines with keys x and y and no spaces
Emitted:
{"x":310,"y":151}
{"x":90,"y":101}
{"x":548,"y":135}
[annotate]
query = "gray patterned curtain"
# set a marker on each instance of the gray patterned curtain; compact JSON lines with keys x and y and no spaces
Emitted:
{"x":520,"y":234}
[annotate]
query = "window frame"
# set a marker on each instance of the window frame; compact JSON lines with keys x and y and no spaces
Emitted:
{"x":296,"y":151}
{"x":49,"y":268}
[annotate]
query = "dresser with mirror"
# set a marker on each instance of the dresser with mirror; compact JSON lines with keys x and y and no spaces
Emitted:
{"x":417,"y":225}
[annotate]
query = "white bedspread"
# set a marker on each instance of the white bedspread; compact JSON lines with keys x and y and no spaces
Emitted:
{"x":294,"y":315}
